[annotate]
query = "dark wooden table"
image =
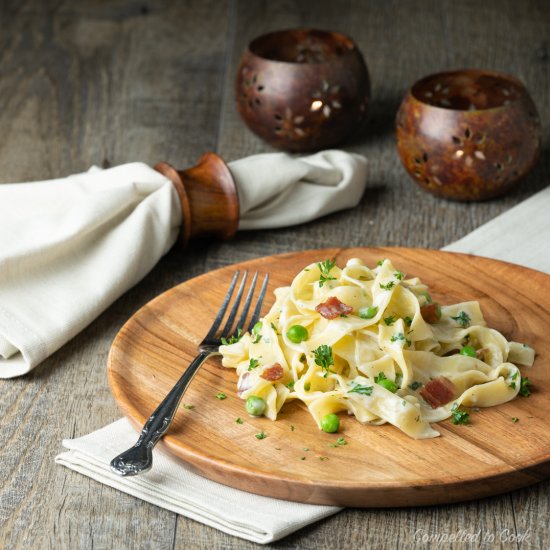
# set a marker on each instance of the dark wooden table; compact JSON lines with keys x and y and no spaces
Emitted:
{"x":85,"y":83}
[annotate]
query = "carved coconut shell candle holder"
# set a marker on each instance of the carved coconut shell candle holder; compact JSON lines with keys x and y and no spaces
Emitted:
{"x":468,"y":135}
{"x":302,"y":89}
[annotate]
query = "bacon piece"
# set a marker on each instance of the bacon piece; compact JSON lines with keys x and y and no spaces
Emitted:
{"x":245,"y":383}
{"x":438,"y":391}
{"x":431,"y":313}
{"x":275,"y":372}
{"x":333,"y":308}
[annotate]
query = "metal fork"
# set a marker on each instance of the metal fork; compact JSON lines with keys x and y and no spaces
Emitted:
{"x":139,"y":458}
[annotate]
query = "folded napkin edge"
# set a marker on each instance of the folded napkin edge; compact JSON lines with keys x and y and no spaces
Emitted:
{"x":74,"y":460}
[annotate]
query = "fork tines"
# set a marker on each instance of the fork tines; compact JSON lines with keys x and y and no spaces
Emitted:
{"x":231,"y":326}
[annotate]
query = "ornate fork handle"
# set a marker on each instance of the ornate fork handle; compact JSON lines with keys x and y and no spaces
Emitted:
{"x":139,"y":458}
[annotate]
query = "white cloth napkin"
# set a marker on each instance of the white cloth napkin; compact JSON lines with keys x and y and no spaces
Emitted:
{"x":521,"y":235}
{"x":171,"y":485}
{"x":70,"y":247}
{"x":276,"y":190}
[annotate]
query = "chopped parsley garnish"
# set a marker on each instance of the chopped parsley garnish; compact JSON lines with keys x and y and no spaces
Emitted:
{"x":232,"y":339}
{"x":274,"y":327}
{"x":307,"y":386}
{"x":515,"y":419}
{"x":292,"y":428}
{"x":468,"y":351}
{"x":325,"y":268}
{"x":426,"y":296}
{"x":323,"y":357}
{"x":415,"y":385}
{"x":459,"y":416}
{"x":361,"y":389}
{"x":239,"y":420}
{"x":261,"y":435}
{"x":389,"y":320}
{"x":256,"y":332}
{"x":463,"y":319}
{"x":340,"y":442}
{"x":400,"y":337}
{"x":408,"y":321}
{"x":368,"y":312}
{"x":525,"y":387}
{"x":323,"y":458}
{"x":290,"y":385}
{"x":302,"y":458}
{"x":188,"y":407}
{"x":380,"y":262}
{"x":253,"y":363}
{"x":306,"y":449}
{"x":387,"y":286}
{"x":221,"y":395}
{"x":399,"y":275}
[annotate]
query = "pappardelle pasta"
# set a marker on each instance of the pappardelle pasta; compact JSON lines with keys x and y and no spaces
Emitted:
{"x":372,"y":342}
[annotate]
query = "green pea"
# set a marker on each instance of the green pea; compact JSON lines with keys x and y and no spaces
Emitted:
{"x":390,"y":385}
{"x":470,"y":351}
{"x":368,"y":312}
{"x":257,"y":328}
{"x":330,"y":423}
{"x":255,"y":405}
{"x":297,"y":334}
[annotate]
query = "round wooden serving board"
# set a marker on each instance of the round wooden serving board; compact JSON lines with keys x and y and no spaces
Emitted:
{"x":379,"y":466}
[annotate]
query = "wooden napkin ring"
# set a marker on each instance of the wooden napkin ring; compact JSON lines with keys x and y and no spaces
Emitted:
{"x":208,"y":197}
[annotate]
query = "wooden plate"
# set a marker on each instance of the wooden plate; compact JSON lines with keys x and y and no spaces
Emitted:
{"x":379,"y":466}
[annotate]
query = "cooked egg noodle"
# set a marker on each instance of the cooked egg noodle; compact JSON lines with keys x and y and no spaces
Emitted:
{"x":396,"y":343}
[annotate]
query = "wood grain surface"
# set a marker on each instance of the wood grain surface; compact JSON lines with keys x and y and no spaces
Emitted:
{"x":88,"y":82}
{"x":379,"y":466}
